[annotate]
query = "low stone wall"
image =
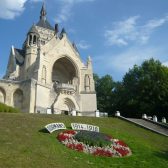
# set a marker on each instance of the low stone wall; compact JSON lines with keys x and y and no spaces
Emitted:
{"x":143,"y":126}
{"x":157,"y":123}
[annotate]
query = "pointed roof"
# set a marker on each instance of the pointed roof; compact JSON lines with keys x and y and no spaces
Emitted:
{"x":63,"y":31}
{"x":43,"y":20}
{"x":56,"y":28}
{"x":19,"y":56}
{"x":43,"y":11}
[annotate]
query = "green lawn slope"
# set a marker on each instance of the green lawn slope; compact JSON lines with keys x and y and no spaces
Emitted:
{"x":23,"y":144}
{"x":8,"y":109}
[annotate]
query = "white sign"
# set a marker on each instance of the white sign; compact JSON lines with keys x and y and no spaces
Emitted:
{"x":78,"y":126}
{"x":55,"y":126}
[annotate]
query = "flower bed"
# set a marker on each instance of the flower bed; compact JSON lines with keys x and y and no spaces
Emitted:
{"x":81,"y":141}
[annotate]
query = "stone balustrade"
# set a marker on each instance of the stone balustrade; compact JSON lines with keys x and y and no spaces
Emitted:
{"x":154,"y":118}
{"x":65,"y":88}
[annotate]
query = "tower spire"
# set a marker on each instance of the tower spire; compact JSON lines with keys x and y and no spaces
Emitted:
{"x":43,"y":12}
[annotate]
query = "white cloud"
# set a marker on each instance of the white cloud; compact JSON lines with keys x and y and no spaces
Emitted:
{"x":66,"y":9}
{"x":36,"y":0}
{"x":154,"y":23}
{"x":122,"y":31}
{"x":83,"y":45}
{"x":125,"y":60}
{"x":126,"y":31}
{"x":9,"y":9}
{"x":118,"y":64}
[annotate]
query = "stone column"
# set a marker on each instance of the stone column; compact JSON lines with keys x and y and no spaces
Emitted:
{"x":163,"y":120}
{"x":117,"y":114}
{"x":144,"y":116}
{"x":154,"y":118}
{"x":97,"y":113}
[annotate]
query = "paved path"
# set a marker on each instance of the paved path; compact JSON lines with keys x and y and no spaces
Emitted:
{"x":151,"y":126}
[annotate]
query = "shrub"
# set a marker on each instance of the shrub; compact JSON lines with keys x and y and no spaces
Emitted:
{"x":93,"y":138}
{"x":8,"y":109}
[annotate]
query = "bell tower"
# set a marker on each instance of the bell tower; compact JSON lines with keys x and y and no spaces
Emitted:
{"x":32,"y":44}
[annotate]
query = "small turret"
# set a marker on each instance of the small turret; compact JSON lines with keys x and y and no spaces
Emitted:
{"x":43,"y":13}
{"x":89,"y":63}
{"x":56,"y":28}
{"x":43,"y":19}
{"x":63,"y":32}
{"x":33,"y":36}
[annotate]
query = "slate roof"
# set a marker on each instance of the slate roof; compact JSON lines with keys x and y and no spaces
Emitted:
{"x":19,"y":56}
{"x":45,"y":24}
{"x":43,"y":21}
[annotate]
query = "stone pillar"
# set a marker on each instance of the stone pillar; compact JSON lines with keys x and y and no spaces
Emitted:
{"x":117,"y":114}
{"x":163,"y":120}
{"x":97,"y":113}
{"x":49,"y":111}
{"x":154,"y":118}
{"x":79,"y":114}
{"x":73,"y":112}
{"x":144,"y":116}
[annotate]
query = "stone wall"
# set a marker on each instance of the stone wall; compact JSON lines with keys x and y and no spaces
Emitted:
{"x":16,"y":94}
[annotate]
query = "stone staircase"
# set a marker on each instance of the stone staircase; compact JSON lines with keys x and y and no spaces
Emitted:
{"x":155,"y":127}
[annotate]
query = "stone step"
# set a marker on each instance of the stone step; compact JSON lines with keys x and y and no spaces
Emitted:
{"x":149,"y":125}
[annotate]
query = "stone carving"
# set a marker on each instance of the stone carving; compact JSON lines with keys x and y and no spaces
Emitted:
{"x":87,"y":83}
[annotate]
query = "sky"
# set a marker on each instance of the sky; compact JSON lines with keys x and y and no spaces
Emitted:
{"x":117,"y":34}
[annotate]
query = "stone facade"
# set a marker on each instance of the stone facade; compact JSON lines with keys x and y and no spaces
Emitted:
{"x":48,"y":73}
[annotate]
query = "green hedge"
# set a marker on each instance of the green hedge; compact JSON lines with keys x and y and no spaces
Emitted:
{"x":8,"y":109}
{"x":93,"y":138}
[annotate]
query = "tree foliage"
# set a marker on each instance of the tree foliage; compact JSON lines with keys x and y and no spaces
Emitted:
{"x":144,"y":89}
{"x":104,"y":87}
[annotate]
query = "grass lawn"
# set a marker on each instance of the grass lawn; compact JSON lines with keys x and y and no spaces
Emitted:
{"x":24,"y":145}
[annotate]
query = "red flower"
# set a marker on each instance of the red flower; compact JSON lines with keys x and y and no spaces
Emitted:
{"x":122,"y":151}
{"x":70,"y":132}
{"x":79,"y":147}
{"x":121,"y":143}
{"x":101,"y":152}
{"x":62,"y":137}
{"x":118,"y":148}
{"x":71,"y":146}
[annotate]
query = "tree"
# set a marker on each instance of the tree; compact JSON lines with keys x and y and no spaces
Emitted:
{"x":104,"y":87}
{"x":144,"y":89}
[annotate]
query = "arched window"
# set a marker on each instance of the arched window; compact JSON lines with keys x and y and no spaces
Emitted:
{"x":34,"y":39}
{"x":44,"y":74}
{"x":63,"y":71}
{"x":18,"y":99}
{"x":30,"y":39}
{"x":2,"y":95}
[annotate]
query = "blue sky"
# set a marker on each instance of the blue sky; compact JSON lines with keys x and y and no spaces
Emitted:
{"x":116,"y":33}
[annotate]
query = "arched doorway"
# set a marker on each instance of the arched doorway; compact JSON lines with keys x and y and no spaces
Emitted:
{"x":65,"y":105}
{"x":18,"y":99}
{"x":69,"y":106}
{"x":2,"y":95}
{"x":64,"y":71}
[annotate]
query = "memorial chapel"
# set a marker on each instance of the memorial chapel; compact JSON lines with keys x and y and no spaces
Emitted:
{"x":47,"y":74}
